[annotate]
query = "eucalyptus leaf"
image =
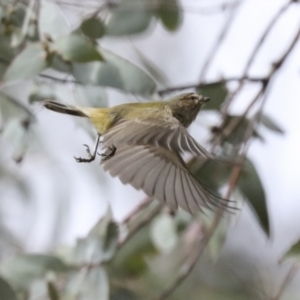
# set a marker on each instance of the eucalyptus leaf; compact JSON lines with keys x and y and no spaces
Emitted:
{"x":11,"y":109}
{"x":61,"y":65}
{"x":293,"y":252}
{"x":52,"y":21}
{"x":94,"y":96}
{"x":211,"y":173}
{"x":129,"y":17}
{"x":163,"y":233}
{"x":269,"y":123}
{"x":115,"y":72}
{"x":6,"y":51}
{"x":52,"y":291}
{"x":217,"y":92}
{"x":6,"y":291}
{"x":236,"y":136}
{"x":42,"y":92}
{"x":251,"y":187}
{"x":28,"y":63}
{"x":92,"y":285}
{"x":101,"y":243}
{"x":130,"y":260}
{"x":120,"y":293}
{"x":169,"y":13}
{"x":16,"y":132}
{"x":93,"y":27}
{"x":76,"y":48}
{"x":22,"y":270}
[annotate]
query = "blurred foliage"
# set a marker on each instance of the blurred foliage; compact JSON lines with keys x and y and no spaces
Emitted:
{"x":142,"y":256}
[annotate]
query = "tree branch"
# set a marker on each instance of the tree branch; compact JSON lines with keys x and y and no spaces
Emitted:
{"x":203,"y":84}
{"x":287,"y":280}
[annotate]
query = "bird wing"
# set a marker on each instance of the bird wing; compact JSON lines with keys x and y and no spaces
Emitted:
{"x":166,"y":132}
{"x":161,"y":174}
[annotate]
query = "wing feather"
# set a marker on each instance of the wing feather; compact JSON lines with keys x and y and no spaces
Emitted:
{"x":162,"y":174}
{"x":167,"y":133}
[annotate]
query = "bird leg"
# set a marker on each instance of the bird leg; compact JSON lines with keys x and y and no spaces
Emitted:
{"x":92,"y":156}
{"x":106,"y":156}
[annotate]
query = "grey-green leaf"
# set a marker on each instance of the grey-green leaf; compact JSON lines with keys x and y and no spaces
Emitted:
{"x":268,"y":122}
{"x":100,"y":244}
{"x":169,"y":13}
{"x":293,"y":252}
{"x":6,"y":291}
{"x":129,"y":17}
{"x":115,"y":72}
{"x":28,"y":63}
{"x":51,"y":20}
{"x":217,"y":92}
{"x":52,"y":291}
{"x":250,"y":185}
{"x":76,"y":48}
{"x":22,"y":270}
{"x":94,"y":28}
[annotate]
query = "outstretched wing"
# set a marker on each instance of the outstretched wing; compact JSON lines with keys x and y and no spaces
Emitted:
{"x":166,"y":132}
{"x":161,"y":174}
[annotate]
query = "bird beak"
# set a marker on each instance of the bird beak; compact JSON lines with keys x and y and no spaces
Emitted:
{"x":205,"y":99}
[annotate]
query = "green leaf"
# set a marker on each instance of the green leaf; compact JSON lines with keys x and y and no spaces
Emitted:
{"x":51,"y":21}
{"x":211,"y":173}
{"x":28,"y":63}
{"x":89,"y":285}
{"x":16,"y":132}
{"x":9,"y":109}
{"x":134,"y":79}
{"x":129,"y":17}
{"x":101,"y":243}
{"x":61,"y":65}
{"x":22,"y":270}
{"x":6,"y":291}
{"x":152,"y":69}
{"x":42,"y":92}
{"x":76,"y":48}
{"x":163,"y":233}
{"x":250,"y":185}
{"x":293,"y":252}
{"x":96,"y":285}
{"x":169,"y":13}
{"x":268,"y":122}
{"x":120,"y":293}
{"x":237,"y":135}
{"x":216,"y":242}
{"x":129,"y":261}
{"x":6,"y":51}
{"x":93,"y":28}
{"x":94,"y":96}
{"x":52,"y":291}
{"x":115,"y":72}
{"x":217,"y":92}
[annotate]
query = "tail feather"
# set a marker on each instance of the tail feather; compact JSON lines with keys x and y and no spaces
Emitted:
{"x":64,"y":109}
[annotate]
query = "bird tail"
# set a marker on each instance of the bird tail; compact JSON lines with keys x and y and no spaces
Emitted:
{"x":65,"y":109}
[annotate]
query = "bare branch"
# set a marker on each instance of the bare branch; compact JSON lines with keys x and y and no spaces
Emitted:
{"x":203,"y":84}
{"x":287,"y":280}
{"x":220,"y":39}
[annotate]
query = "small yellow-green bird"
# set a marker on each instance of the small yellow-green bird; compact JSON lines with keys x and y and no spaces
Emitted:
{"x":143,"y":142}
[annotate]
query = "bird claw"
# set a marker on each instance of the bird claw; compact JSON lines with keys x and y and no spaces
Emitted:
{"x":88,"y":150}
{"x":107,"y":156}
{"x":89,"y":159}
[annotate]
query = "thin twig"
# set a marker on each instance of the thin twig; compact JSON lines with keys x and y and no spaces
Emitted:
{"x":190,"y":264}
{"x":287,"y":280}
{"x":220,"y":39}
{"x":254,"y":53}
{"x":62,"y":80}
{"x":203,"y":84}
